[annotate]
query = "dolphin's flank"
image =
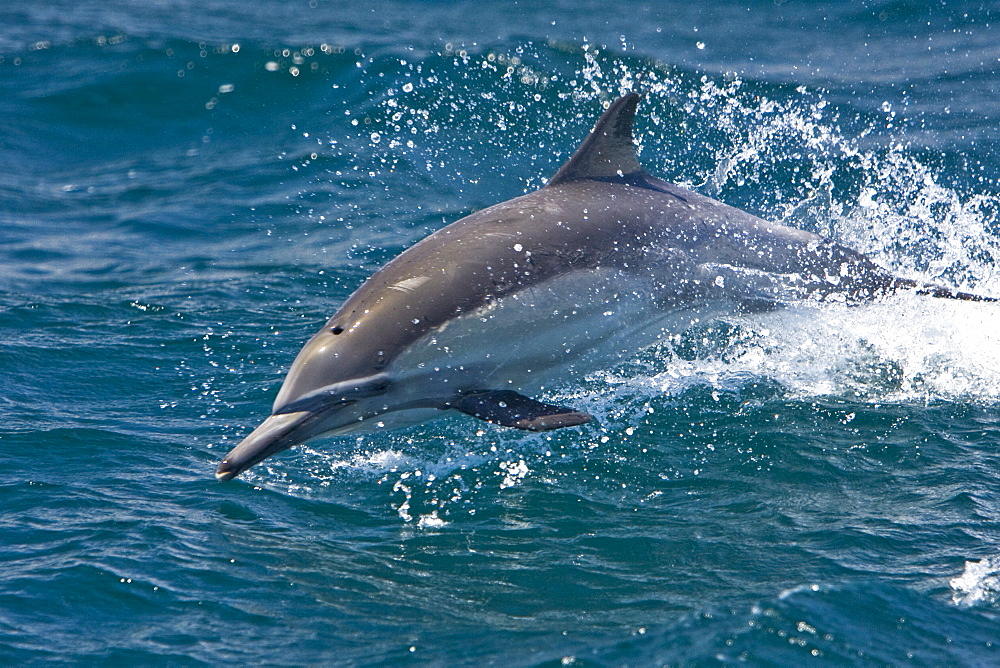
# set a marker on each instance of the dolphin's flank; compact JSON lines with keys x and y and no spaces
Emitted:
{"x":498,"y":305}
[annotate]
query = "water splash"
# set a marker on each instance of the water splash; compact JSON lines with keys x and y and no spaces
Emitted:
{"x":903,"y":349}
{"x":979,"y":583}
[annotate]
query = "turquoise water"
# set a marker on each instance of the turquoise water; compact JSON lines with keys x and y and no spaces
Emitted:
{"x":188,"y":190}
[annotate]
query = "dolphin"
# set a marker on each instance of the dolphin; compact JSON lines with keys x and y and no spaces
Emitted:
{"x":495,"y":307}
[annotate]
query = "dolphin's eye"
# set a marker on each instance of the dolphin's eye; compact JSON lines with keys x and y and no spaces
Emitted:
{"x":337,"y":330}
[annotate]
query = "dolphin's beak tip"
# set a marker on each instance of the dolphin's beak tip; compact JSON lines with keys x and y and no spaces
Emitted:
{"x":225,"y":472}
{"x":276,"y":433}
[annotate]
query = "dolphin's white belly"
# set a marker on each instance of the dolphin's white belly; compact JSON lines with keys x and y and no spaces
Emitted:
{"x":533,"y":341}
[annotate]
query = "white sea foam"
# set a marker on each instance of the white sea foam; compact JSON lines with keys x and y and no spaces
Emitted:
{"x":905,"y":348}
{"x":979,"y":583}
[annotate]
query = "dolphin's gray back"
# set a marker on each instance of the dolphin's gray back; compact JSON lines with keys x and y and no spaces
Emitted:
{"x":668,"y":234}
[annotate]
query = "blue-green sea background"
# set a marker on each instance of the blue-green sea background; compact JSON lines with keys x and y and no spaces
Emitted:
{"x":189,"y":189}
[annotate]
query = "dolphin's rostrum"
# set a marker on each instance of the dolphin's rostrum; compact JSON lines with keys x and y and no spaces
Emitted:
{"x":601,"y":261}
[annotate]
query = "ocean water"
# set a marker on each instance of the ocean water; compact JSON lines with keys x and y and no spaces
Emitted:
{"x":189,"y":189}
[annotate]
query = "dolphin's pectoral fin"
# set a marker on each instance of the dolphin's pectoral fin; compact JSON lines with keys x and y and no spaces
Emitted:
{"x":510,"y":409}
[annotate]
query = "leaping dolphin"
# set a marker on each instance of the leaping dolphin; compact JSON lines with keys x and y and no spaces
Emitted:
{"x":601,"y":261}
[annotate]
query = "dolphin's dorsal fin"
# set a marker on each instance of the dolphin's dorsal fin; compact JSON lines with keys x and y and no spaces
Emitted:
{"x":608,"y":152}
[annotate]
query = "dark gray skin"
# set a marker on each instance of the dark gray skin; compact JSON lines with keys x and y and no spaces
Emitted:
{"x":599,"y":211}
